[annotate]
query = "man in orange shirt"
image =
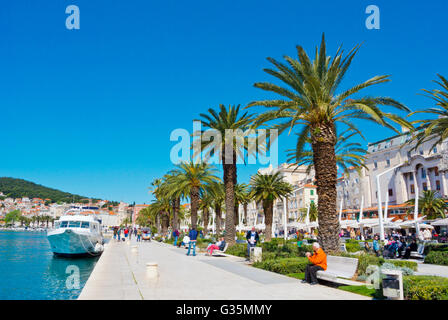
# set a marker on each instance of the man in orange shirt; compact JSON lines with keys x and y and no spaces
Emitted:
{"x":319,"y":262}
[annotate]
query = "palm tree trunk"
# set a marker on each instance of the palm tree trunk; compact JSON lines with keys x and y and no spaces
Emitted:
{"x":268,"y":209}
{"x":245,"y":213}
{"x":218,"y":219}
{"x":236,"y":210}
{"x":229,"y":184}
{"x":206,"y":215}
{"x":323,"y":144}
{"x":176,"y":206}
{"x":165,"y":222}
{"x":194,"y":197}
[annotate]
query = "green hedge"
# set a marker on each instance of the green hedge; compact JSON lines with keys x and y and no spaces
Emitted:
{"x":404,"y":264}
{"x":238,"y":249}
{"x":364,"y":260}
{"x":430,"y":247}
{"x":437,"y":257}
{"x":425,"y":288}
{"x":284,"y":266}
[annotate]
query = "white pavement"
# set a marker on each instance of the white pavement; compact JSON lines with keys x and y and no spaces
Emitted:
{"x":120,"y":274}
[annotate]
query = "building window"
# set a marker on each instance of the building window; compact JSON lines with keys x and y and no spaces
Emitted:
{"x":411,"y":177}
{"x":388,"y":162}
{"x":391,"y":192}
{"x":436,"y":171}
{"x":421,"y":152}
{"x":312,"y":192}
{"x":425,"y":186}
{"x":409,"y":154}
{"x":437,"y":185}
{"x":375,"y":164}
{"x":423,"y":173}
{"x":412,"y":189}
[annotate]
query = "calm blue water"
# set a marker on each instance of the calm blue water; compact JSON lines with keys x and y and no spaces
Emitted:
{"x":29,"y":271}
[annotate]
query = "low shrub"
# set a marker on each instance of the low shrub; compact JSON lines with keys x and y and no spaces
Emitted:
{"x":404,"y":264}
{"x":283,"y":266}
{"x":352,"y":247}
{"x":425,"y":288}
{"x":365,"y":260}
{"x":437,"y":257}
{"x":430,"y":247}
{"x":238,"y":250}
{"x":405,"y":270}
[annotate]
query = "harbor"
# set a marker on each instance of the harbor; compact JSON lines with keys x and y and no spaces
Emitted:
{"x":30,"y":271}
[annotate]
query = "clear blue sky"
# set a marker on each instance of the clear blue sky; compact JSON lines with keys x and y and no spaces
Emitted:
{"x":90,"y":111}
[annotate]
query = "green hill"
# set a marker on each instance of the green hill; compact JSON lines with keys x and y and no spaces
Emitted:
{"x":18,"y":188}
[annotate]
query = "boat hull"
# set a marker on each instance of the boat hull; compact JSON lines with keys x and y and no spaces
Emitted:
{"x":71,"y":243}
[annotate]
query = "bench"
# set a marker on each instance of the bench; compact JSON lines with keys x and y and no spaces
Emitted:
{"x":219,"y":253}
{"x":340,"y":267}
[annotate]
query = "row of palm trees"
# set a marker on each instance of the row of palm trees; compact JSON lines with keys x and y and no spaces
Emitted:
{"x":199,"y":183}
{"x":311,"y":104}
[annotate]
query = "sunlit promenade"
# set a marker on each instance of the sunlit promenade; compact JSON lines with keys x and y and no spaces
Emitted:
{"x":121,"y":275}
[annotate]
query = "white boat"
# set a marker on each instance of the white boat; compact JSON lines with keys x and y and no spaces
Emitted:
{"x":77,"y":233}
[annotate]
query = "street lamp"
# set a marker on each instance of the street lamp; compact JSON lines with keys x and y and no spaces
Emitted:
{"x":380,"y":210}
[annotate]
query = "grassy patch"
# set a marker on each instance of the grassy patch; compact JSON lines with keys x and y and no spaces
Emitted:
{"x":364,"y":291}
{"x":298,"y":275}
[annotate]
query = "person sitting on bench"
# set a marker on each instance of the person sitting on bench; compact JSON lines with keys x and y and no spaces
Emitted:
{"x":220,"y":245}
{"x":319,"y":262}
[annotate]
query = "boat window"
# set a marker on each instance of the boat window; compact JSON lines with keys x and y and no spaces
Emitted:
{"x":63,"y":224}
{"x":74,"y":224}
{"x":56,"y":225}
{"x":84,"y":224}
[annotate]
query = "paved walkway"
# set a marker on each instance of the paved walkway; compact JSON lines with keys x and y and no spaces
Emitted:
{"x":121,"y":274}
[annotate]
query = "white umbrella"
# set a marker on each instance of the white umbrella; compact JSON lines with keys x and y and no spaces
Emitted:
{"x":349,"y":223}
{"x":440,"y":222}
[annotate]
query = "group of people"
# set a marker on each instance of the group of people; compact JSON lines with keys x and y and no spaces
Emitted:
{"x":124,"y":233}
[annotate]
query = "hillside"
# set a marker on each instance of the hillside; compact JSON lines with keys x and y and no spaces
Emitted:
{"x":18,"y":188}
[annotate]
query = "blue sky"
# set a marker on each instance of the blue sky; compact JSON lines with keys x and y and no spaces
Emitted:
{"x":90,"y":111}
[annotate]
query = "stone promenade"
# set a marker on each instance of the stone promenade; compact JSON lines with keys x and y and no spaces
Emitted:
{"x":120,"y":274}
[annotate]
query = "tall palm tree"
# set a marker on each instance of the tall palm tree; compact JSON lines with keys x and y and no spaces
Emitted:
{"x":313,"y":212}
{"x":242,"y":197}
{"x":438,"y":127}
{"x":221,"y":120}
{"x":267,"y":188}
{"x":205,"y":205}
{"x":217,"y":191}
{"x":431,"y":205}
{"x":347,"y":153}
{"x":192,"y":178}
{"x":309,"y":100}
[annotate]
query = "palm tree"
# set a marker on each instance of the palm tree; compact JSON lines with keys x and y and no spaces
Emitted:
{"x":431,"y":205}
{"x":243,"y":197}
{"x":192,"y":178}
{"x":267,"y":188}
{"x":205,"y":205}
{"x":217,"y":191}
{"x":160,"y":209}
{"x":434,"y":128}
{"x":347,"y":153}
{"x":313,"y":212}
{"x":226,"y":119}
{"x":309,"y":101}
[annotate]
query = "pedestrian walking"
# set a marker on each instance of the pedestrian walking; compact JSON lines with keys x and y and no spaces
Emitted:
{"x":175,"y":236}
{"x":193,"y":235}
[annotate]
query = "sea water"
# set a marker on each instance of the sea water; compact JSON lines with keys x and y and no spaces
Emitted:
{"x":30,"y":271}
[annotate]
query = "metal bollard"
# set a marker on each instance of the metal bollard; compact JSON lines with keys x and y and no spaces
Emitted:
{"x":152,"y":271}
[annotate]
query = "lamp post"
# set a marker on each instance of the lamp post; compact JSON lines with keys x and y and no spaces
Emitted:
{"x":380,"y":211}
{"x":285,"y":219}
{"x":417,"y":227}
